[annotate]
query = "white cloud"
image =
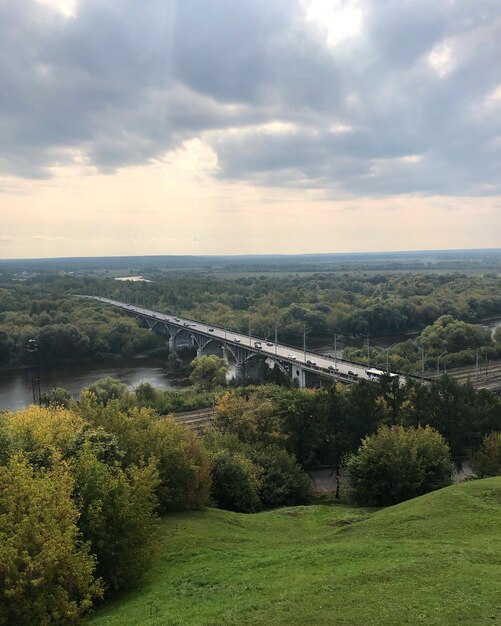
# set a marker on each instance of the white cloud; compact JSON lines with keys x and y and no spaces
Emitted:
{"x":338,"y":19}
{"x":494,"y":97}
{"x":65,"y":7}
{"x":441,"y":59}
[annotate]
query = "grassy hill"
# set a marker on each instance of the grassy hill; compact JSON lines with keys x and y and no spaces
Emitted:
{"x":433,"y":560}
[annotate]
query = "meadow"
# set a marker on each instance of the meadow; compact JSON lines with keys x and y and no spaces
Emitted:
{"x":434,"y":560}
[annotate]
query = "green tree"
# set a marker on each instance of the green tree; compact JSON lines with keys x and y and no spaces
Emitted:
{"x":397,"y":464}
{"x":46,"y":571}
{"x":106,"y":389}
{"x":183,"y":466}
{"x":282,"y":480}
{"x":208,"y":371}
{"x":235,"y":482}
{"x":117,"y":515}
{"x":7,"y":347}
{"x":57,"y":397}
{"x":487,"y":461}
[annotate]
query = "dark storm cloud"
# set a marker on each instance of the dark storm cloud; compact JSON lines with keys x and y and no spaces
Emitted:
{"x":122,"y":82}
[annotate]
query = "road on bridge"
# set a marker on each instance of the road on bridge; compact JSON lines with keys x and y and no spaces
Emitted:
{"x":298,"y":359}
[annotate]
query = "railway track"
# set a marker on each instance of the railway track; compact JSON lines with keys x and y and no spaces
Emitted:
{"x":486,"y":378}
{"x":198,"y":419}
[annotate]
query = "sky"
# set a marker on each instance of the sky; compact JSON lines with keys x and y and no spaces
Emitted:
{"x":134,"y":127}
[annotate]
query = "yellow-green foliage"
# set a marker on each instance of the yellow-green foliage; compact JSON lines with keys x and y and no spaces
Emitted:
{"x":41,"y":433}
{"x":183,"y":465}
{"x":116,"y":514}
{"x":398,"y":464}
{"x":46,"y":572}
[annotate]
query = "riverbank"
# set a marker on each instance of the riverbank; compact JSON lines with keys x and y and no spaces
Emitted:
{"x":16,"y":384}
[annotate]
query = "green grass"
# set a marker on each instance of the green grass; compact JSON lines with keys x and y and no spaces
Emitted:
{"x":432,"y":560}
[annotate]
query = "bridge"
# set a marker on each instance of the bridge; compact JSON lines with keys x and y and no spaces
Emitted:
{"x":297,"y":364}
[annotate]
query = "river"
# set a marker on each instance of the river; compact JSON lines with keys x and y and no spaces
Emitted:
{"x":16,"y":391}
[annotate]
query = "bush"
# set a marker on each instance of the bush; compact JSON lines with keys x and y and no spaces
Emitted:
{"x":183,"y":466}
{"x":116,"y":515}
{"x":46,"y":572}
{"x":107,"y":389}
{"x":487,"y":461}
{"x":283,"y":482}
{"x":235,"y":482}
{"x":397,"y":464}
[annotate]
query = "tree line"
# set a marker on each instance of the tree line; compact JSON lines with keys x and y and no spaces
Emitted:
{"x":351,"y":304}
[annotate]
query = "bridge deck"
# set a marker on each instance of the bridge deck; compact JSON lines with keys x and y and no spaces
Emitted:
{"x":340,"y":369}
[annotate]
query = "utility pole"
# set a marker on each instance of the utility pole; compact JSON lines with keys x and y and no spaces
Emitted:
{"x":438,"y":362}
{"x":304,"y":342}
{"x":336,"y":337}
{"x":276,"y":336}
{"x":32,"y":349}
{"x":422,"y":363}
{"x":476,"y":371}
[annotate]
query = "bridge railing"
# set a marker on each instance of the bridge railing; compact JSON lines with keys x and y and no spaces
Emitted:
{"x":141,"y":309}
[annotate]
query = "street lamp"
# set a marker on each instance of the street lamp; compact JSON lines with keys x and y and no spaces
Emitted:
{"x":387,"y":350}
{"x":336,"y":337}
{"x":304,"y":341}
{"x":438,"y":361}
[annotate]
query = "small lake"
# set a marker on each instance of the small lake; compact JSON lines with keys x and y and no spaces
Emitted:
{"x":15,"y":385}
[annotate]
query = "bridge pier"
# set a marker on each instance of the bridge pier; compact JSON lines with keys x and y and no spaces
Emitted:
{"x":299,"y":375}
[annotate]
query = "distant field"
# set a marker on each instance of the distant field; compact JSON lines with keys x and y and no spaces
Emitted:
{"x":435,"y":560}
{"x":350,"y":270}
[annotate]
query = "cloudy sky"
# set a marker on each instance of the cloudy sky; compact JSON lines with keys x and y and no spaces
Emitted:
{"x":248,"y":126}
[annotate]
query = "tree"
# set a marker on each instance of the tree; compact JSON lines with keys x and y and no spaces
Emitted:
{"x":183,"y":466}
{"x":235,"y":482}
{"x":282,"y":482}
{"x":46,"y":572}
{"x":117,"y":514}
{"x":303,"y":421}
{"x":397,"y":464}
{"x":487,"y":461}
{"x":57,"y":397}
{"x":252,"y":417}
{"x":7,"y":346}
{"x":106,"y":389}
{"x":208,"y":371}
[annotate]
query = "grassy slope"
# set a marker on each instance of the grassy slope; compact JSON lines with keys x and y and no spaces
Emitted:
{"x":432,"y":560}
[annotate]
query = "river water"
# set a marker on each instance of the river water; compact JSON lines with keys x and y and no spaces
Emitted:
{"x":16,"y":391}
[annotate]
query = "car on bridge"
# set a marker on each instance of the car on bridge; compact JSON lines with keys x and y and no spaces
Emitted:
{"x":333,"y":369}
{"x":293,"y":357}
{"x":237,"y":340}
{"x":270,"y":343}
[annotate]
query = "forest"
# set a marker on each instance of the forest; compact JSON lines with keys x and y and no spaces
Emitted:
{"x":443,"y":310}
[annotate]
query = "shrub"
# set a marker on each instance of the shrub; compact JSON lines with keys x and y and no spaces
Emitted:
{"x":183,"y":466}
{"x":487,"y":461}
{"x":235,"y":482}
{"x":116,"y":515}
{"x":283,"y":482}
{"x":46,"y":572}
{"x":397,"y":464}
